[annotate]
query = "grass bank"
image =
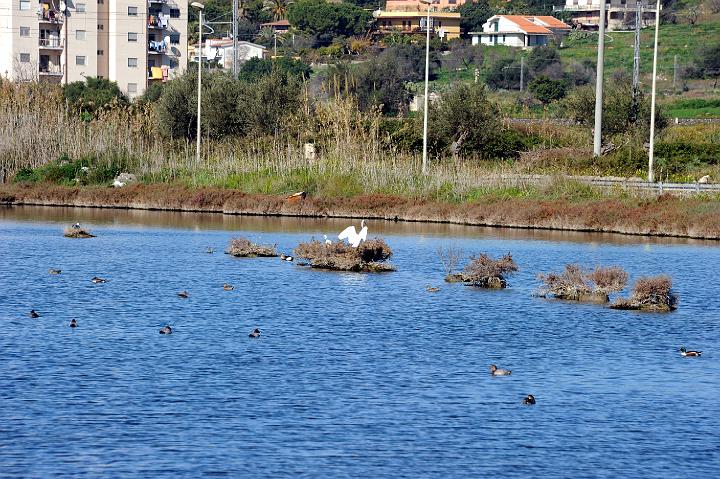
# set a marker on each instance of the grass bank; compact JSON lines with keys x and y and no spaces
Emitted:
{"x":562,"y":206}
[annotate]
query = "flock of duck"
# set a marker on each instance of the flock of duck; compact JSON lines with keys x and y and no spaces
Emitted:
{"x":354,"y":238}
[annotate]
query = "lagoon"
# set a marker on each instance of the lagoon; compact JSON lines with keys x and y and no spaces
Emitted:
{"x":354,"y":375}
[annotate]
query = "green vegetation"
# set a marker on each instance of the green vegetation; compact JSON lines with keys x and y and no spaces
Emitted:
{"x":328,"y":20}
{"x":693,"y":108}
{"x":93,"y":94}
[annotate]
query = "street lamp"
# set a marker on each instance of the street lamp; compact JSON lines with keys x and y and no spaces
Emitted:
{"x":427,"y":77}
{"x":651,"y":152}
{"x":200,"y":8}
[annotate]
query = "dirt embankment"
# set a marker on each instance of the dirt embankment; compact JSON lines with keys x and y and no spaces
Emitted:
{"x":664,"y":216}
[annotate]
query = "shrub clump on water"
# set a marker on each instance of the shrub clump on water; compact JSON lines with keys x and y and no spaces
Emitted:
{"x":370,"y":256}
{"x":652,"y":293}
{"x":244,"y":248}
{"x":485,"y":272}
{"x":77,"y":233}
{"x":578,"y":284}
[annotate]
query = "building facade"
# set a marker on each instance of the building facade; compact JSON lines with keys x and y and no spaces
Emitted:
{"x":523,"y":31}
{"x":620,"y":14}
{"x":131,"y":42}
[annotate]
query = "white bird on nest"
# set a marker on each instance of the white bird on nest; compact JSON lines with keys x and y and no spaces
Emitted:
{"x":327,"y":241}
{"x":353,"y":237}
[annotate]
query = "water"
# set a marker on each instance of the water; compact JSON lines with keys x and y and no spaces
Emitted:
{"x":354,"y":375}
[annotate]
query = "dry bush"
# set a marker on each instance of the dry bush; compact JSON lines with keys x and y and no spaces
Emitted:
{"x":244,"y":248}
{"x":578,"y":284}
{"x":77,"y":233}
{"x":449,"y":257}
{"x":368,"y":257}
{"x":652,"y":293}
{"x":611,"y":279}
{"x":486,"y":272}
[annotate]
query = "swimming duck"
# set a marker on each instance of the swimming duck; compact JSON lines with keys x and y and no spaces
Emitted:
{"x":499,"y":372}
{"x":54,"y":271}
{"x":98,"y":280}
{"x":289,"y":258}
{"x":33,"y":314}
{"x":228,"y":287}
{"x":166,"y":330}
{"x":255,"y":333}
{"x":73,"y":323}
{"x":432,"y":289}
{"x":76,"y":226}
{"x":693,"y":354}
{"x":210,"y":250}
{"x":184,"y":294}
{"x":530,"y":399}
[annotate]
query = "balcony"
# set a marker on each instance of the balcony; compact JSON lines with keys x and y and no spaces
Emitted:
{"x":157,"y":22}
{"x":157,"y":48}
{"x":50,"y":16}
{"x":51,"y":70}
{"x":50,"y":43}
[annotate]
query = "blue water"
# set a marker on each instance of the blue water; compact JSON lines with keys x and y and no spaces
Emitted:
{"x":354,"y":375}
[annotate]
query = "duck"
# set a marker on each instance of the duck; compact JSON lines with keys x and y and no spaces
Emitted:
{"x":284,"y":257}
{"x":54,"y":271}
{"x":98,"y":280}
{"x":184,"y":294}
{"x":166,"y":330}
{"x":529,"y":400}
{"x":228,"y":287}
{"x":33,"y":314}
{"x":693,"y":354}
{"x":73,"y":323}
{"x":76,"y":226}
{"x":499,"y":372}
{"x":255,"y":333}
{"x":432,"y":289}
{"x":210,"y":250}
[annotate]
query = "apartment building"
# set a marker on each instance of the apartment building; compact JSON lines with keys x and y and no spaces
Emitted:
{"x":131,"y":42}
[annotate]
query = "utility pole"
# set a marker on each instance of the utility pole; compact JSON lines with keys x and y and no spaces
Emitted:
{"x":235,"y":41}
{"x":522,"y":72}
{"x":597,"y":141}
{"x":675,"y":72}
{"x":651,"y":153}
{"x":427,"y":77}
{"x":275,"y":47}
{"x":636,"y":56}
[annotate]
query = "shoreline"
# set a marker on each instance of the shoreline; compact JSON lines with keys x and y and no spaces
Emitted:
{"x":662,"y":217}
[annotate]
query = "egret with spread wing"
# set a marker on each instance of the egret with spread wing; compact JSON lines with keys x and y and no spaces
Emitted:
{"x":353,"y":237}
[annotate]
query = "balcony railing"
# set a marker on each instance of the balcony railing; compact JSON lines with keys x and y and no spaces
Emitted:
{"x":50,"y":16}
{"x":156,"y":21}
{"x":157,"y":47}
{"x":50,"y":42}
{"x":51,"y":70}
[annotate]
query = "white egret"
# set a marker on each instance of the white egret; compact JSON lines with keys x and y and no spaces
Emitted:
{"x":327,"y":241}
{"x":353,"y":237}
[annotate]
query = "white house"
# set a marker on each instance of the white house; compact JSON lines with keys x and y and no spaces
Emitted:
{"x":519,"y":30}
{"x":221,"y":51}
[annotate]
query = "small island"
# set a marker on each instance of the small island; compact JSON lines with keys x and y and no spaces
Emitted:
{"x":484,"y":272}
{"x":73,"y":232}
{"x":369,"y":257}
{"x":244,"y":248}
{"x":579,"y":284}
{"x":652,"y":293}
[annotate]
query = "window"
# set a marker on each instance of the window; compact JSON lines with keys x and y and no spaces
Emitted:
{"x":101,"y":26}
{"x":132,"y":87}
{"x":101,"y":52}
{"x":100,"y":2}
{"x":132,"y":11}
{"x":174,"y":13}
{"x":151,"y":62}
{"x":25,"y":58}
{"x":132,"y":62}
{"x":80,"y":7}
{"x":24,"y":4}
{"x":174,"y":39}
{"x":132,"y":36}
{"x":24,"y":31}
{"x":80,"y":60}
{"x":79,"y":34}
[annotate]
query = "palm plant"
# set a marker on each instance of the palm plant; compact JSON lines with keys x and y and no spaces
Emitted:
{"x":278,"y":8}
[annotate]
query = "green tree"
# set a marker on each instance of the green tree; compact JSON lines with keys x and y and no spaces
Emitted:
{"x":465,"y":121}
{"x":329,"y":19}
{"x":547,"y":90}
{"x":277,"y":8}
{"x":256,"y":68}
{"x":177,"y":107}
{"x":93,"y":94}
{"x":473,"y":15}
{"x":542,"y":58}
{"x":709,"y":57}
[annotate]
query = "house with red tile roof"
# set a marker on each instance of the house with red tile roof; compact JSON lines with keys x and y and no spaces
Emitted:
{"x":523,"y":31}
